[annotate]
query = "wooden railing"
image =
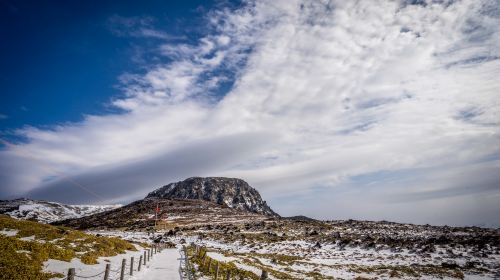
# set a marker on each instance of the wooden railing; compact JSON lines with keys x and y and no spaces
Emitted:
{"x":125,"y":271}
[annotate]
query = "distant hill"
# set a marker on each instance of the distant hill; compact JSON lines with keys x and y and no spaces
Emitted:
{"x":300,"y":218}
{"x":48,"y":212}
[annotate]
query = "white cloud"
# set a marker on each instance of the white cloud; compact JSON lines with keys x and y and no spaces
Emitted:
{"x":340,"y":89}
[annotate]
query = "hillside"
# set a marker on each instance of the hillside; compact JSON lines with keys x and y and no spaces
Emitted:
{"x":308,"y":249}
{"x":48,"y":212}
{"x":26,"y":245}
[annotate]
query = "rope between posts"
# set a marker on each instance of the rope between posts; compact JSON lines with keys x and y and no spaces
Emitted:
{"x":87,"y":277}
{"x":114,"y":273}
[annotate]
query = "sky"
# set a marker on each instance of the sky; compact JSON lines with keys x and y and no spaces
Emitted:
{"x":373,"y":110}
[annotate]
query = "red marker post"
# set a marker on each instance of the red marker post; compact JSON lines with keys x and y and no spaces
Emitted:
{"x":157,"y":211}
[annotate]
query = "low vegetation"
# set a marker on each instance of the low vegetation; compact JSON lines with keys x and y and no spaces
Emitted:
{"x":22,"y":255}
{"x":207,"y":266}
{"x":415,"y":271}
{"x":282,"y":266}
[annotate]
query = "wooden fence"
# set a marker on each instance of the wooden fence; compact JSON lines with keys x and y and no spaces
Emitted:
{"x":125,"y":271}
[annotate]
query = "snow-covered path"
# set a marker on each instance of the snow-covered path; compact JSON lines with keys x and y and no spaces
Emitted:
{"x":163,"y":266}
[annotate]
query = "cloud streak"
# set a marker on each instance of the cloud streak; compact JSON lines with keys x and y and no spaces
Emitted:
{"x":139,"y":27}
{"x":340,"y":89}
{"x":128,"y":180}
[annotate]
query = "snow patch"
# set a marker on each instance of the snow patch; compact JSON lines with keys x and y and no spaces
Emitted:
{"x":9,"y":232}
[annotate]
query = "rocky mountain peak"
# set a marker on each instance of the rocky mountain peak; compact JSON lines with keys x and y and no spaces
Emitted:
{"x":232,"y":192}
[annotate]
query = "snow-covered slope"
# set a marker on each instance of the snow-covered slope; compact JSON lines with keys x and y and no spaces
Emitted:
{"x":48,"y":212}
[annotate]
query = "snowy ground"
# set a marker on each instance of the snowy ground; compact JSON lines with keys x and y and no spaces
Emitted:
{"x":340,"y":263}
{"x":164,"y":266}
{"x":9,"y":232}
{"x":306,"y":256}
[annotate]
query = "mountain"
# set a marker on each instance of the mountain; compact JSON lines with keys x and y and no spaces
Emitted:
{"x":48,"y":212}
{"x":140,"y":214}
{"x":193,"y":202}
{"x":231,"y":192}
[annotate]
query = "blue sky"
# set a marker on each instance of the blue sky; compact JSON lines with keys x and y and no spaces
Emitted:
{"x":63,"y":59}
{"x":379,"y":110}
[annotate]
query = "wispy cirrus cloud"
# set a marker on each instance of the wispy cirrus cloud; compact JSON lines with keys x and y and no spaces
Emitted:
{"x":137,"y":26}
{"x":327,"y":92}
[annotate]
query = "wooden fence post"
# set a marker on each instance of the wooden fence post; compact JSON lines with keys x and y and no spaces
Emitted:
{"x":228,"y":275}
{"x":122,"y":271}
{"x":188,"y":269}
{"x":71,"y":274}
{"x":140,"y":262}
{"x":209,"y":264}
{"x":106,"y":272}
{"x":216,"y":270}
{"x":147,"y":254}
{"x":263,"y":276}
{"x":131,"y":266}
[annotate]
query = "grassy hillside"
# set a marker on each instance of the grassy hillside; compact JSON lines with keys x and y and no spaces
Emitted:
{"x":22,"y":254}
